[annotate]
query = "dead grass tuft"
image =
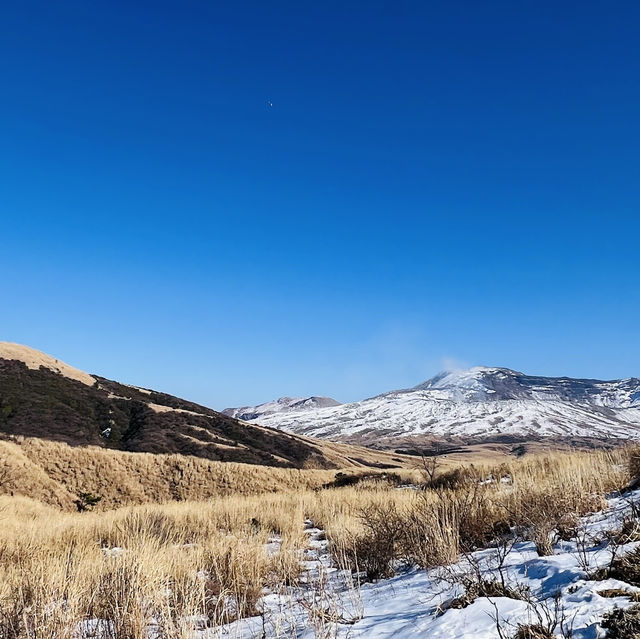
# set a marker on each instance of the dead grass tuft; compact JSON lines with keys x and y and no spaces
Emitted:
{"x":486,"y":588}
{"x":533,"y":631}
{"x":611,"y":593}
{"x":622,"y":623}
{"x":626,"y":568}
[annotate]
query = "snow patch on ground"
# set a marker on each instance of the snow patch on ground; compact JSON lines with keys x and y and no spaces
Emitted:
{"x":415,"y":603}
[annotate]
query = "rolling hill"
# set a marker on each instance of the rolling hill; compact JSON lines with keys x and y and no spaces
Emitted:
{"x":42,"y":397}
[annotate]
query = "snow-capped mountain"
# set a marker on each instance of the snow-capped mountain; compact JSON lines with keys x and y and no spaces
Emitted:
{"x":479,"y":403}
{"x":279,"y":406}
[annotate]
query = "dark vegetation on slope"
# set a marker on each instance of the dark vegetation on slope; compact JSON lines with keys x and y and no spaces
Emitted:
{"x":42,"y":403}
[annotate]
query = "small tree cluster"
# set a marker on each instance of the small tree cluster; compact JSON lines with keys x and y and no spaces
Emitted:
{"x":87,"y":501}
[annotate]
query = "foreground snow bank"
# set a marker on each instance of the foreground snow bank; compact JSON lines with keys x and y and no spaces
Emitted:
{"x":417,"y":603}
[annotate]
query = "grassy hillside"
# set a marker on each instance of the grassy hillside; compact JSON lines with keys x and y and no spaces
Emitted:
{"x":44,"y":403}
{"x":56,"y":474}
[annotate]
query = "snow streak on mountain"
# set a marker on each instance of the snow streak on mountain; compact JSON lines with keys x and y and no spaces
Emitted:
{"x":282,"y":405}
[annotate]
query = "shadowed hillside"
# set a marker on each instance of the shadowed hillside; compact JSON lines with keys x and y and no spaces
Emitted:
{"x":43,"y":398}
{"x":46,"y":404}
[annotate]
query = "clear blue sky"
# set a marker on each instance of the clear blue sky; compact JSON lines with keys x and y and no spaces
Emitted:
{"x":436,"y":184}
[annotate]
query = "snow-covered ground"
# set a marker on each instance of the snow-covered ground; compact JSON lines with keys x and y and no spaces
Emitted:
{"x":328,"y":604}
{"x":479,"y":402}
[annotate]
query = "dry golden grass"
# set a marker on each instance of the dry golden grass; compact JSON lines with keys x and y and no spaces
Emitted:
{"x":56,"y":473}
{"x":179,"y":565}
{"x":139,"y":566}
{"x":467,"y":508}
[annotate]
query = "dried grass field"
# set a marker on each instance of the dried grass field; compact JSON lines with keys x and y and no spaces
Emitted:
{"x":178,"y":566}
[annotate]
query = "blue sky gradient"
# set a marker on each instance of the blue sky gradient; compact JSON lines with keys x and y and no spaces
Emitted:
{"x":436,"y":184}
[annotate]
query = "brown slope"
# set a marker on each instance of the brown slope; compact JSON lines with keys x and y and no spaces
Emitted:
{"x":40,"y":399}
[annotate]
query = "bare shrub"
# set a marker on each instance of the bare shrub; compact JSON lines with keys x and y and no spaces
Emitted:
{"x":629,"y":530}
{"x":87,"y":501}
{"x":376,"y":549}
{"x":549,"y":512}
{"x":548,"y":619}
{"x":540,"y":514}
{"x":485,"y":577}
{"x":480,"y":520}
{"x":452,"y":479}
{"x":364,"y":480}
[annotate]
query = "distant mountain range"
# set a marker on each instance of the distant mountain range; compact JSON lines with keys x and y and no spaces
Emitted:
{"x":481,"y":403}
{"x":282,"y":405}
